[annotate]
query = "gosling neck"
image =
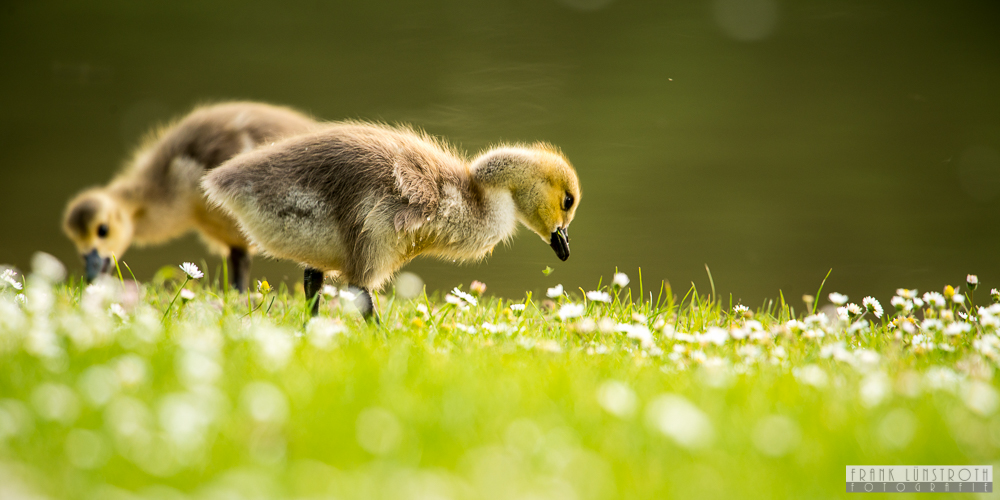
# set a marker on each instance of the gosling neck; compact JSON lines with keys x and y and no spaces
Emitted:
{"x":503,"y":168}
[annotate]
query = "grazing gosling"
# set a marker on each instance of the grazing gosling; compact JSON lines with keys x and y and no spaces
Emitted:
{"x":158,"y":196}
{"x":364,"y":199}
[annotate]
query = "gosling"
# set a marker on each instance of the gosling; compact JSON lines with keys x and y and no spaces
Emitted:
{"x":364,"y":199}
{"x":157,"y":197}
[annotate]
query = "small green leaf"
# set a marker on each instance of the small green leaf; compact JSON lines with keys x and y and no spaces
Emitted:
{"x":547,"y":271}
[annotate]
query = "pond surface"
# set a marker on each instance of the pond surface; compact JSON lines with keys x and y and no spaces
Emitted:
{"x":771,"y":141}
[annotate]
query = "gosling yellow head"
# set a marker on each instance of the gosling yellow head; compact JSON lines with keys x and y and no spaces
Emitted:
{"x":544,"y":187}
{"x":99,"y":226}
{"x":362,"y":200}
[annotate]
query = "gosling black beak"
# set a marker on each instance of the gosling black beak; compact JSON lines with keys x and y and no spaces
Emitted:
{"x":560,"y":243}
{"x":94,"y":264}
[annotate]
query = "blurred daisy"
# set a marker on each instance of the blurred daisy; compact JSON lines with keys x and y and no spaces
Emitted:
{"x":958,"y":298}
{"x":854,"y":310}
{"x":995,"y":294}
{"x":570,"y":310}
{"x":192,"y":271}
{"x":517,"y":307}
{"x":599,"y":296}
{"x":620,"y":280}
{"x":873,"y":306}
{"x":838,"y":298}
{"x":477,"y":287}
{"x":116,"y":309}
{"x":263,"y":287}
{"x":901,"y":304}
{"x":187,"y":295}
{"x":465,"y":296}
{"x":8,"y":276}
{"x":740,"y":309}
{"x":906,"y":293}
{"x":554,"y":291}
{"x":934,"y":299}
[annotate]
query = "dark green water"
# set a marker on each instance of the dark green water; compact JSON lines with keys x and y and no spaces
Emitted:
{"x":770,"y":140}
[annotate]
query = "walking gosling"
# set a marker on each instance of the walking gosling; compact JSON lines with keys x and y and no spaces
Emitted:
{"x":364,"y":199}
{"x":157,"y":197}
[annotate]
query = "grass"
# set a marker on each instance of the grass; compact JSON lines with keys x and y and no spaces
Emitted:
{"x":114,"y":391}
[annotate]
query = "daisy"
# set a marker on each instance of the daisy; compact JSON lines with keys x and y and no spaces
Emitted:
{"x":934,"y":299}
{"x":192,"y":271}
{"x":620,"y":280}
{"x":554,"y":291}
{"x":8,"y":276}
{"x":570,"y":310}
{"x":838,"y":298}
{"x":598,"y":296}
{"x":465,"y":296}
{"x":872,"y":305}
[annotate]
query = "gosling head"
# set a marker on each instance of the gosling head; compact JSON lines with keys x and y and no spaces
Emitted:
{"x":543,"y":185}
{"x":99,"y":227}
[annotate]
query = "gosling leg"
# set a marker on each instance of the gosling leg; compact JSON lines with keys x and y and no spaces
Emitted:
{"x":363,"y":301}
{"x":313,"y":282}
{"x":239,"y":269}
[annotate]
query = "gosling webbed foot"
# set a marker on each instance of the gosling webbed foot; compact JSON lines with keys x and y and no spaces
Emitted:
{"x":239,"y":269}
{"x":312,"y":282}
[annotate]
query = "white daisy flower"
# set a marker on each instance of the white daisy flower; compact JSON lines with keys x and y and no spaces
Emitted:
{"x":740,"y":309}
{"x":958,"y":298}
{"x":838,"y":298}
{"x":554,"y":291}
{"x":192,"y":271}
{"x":599,"y":296}
{"x":854,"y":310}
{"x":8,"y":277}
{"x":620,"y":280}
{"x":935,"y":299}
{"x":957,"y":328}
{"x":517,"y":307}
{"x":872,"y":305}
{"x":902,"y":304}
{"x":186,"y":294}
{"x":116,"y":309}
{"x":570,"y":310}
{"x":465,"y":296}
{"x":330,"y":291}
{"x":906,"y":293}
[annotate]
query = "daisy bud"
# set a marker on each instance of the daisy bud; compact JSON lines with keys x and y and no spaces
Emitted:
{"x":972,"y":280}
{"x":477,"y":288}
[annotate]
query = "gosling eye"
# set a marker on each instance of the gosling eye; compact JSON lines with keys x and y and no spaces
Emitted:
{"x":102,"y":231}
{"x":567,"y":202}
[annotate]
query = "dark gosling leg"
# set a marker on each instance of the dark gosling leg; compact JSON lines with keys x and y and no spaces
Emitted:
{"x":363,"y":301}
{"x":239,"y":269}
{"x":313,"y":282}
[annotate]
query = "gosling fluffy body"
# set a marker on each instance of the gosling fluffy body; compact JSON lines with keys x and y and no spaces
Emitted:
{"x":363,"y":199}
{"x":158,"y":196}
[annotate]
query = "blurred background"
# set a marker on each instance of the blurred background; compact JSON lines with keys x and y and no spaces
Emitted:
{"x":771,"y":140}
